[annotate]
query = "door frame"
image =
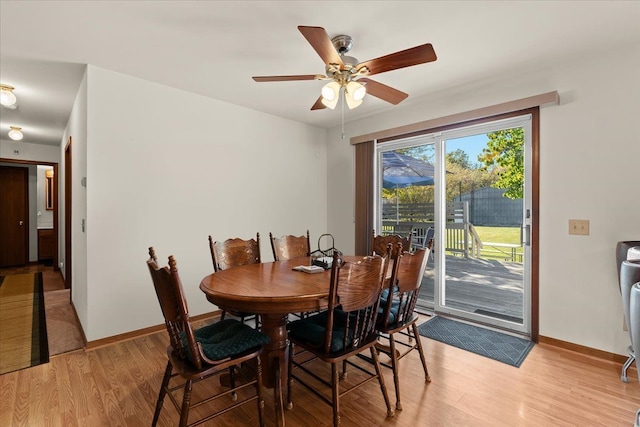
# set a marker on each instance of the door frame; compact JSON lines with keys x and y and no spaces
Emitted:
{"x":67,"y":214}
{"x":21,"y":175}
{"x":535,"y":192}
{"x":524,"y":120}
{"x":55,"y":202}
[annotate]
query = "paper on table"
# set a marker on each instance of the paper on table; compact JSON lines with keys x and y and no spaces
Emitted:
{"x":309,"y":268}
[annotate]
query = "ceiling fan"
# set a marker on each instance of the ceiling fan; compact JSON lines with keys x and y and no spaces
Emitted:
{"x":344,"y":72}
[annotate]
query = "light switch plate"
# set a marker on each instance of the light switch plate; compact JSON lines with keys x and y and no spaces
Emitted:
{"x":579,"y":227}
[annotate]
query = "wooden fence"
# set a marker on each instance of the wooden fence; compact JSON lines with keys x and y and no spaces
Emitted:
{"x":416,"y":218}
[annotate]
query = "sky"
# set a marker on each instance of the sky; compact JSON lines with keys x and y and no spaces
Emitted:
{"x":472,"y":145}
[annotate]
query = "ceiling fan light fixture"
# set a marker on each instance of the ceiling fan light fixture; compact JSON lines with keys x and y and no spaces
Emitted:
{"x":15,"y":133}
{"x":354,"y":94}
{"x":330,"y":104}
{"x":351,"y":103}
{"x":357,"y":90}
{"x":7,"y":97}
{"x":331,"y":91}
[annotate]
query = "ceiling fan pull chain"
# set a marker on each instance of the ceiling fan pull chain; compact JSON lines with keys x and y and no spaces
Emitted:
{"x":342,"y":108}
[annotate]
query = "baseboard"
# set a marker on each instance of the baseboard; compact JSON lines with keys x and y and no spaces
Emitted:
{"x":92,"y":345}
{"x":75,"y":314}
{"x":588,"y":351}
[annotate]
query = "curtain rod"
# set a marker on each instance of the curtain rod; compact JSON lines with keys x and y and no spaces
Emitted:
{"x":549,"y":98}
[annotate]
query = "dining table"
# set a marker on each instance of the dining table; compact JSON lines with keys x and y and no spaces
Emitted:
{"x":272,"y":290}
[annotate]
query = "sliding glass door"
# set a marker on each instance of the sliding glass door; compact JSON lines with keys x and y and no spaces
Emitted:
{"x":469,"y":189}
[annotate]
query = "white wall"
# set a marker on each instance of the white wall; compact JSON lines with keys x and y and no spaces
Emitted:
{"x":166,"y":168}
{"x":589,"y":169}
{"x":24,"y":150}
{"x":76,"y":130}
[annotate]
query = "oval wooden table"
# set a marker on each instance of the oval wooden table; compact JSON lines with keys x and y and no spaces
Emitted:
{"x":272,"y":290}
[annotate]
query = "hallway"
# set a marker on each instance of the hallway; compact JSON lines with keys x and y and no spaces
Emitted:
{"x":63,"y":330}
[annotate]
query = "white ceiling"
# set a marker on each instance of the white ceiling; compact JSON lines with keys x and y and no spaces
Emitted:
{"x":213,"y":48}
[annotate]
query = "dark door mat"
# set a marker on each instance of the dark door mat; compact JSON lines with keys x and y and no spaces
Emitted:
{"x":485,"y":342}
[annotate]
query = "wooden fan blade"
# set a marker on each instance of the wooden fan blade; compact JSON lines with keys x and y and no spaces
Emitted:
{"x":404,"y":58}
{"x":285,"y":78}
{"x":321,"y":42}
{"x":318,"y":105}
{"x":384,"y":92}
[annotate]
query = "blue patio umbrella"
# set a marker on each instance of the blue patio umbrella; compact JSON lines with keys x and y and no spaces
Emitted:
{"x":400,"y":171}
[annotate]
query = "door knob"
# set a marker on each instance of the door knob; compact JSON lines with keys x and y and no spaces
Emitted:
{"x":20,"y":222}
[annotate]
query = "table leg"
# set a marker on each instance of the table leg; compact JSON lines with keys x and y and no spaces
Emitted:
{"x":274,"y":359}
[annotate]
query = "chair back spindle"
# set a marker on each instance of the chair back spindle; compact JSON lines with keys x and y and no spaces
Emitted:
{"x":354,"y":295}
{"x":173,"y":304}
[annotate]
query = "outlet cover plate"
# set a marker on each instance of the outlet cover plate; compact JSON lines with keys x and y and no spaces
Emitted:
{"x":579,"y":227}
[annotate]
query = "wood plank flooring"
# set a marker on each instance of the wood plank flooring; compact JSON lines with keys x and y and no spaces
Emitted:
{"x":63,"y":331}
{"x":117,"y":385}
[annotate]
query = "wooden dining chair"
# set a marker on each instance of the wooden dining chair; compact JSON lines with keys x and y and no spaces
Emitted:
{"x":345,"y":329}
{"x":289,"y":246}
{"x":236,"y":252}
{"x":397,"y":316}
{"x":199,"y":354}
{"x":379,"y":243}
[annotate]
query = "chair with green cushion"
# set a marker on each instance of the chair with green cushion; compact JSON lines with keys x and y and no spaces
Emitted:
{"x":235,"y":253}
{"x":397,"y":315}
{"x":196,"y":355}
{"x":345,"y":329}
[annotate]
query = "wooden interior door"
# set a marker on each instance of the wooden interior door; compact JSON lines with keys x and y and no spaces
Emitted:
{"x":14,"y":216}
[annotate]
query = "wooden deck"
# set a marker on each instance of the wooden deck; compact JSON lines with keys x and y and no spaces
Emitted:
{"x":494,"y":287}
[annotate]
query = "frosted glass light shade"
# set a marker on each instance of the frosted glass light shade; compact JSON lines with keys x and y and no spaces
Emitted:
{"x":330,"y":94}
{"x":7,"y":97}
{"x":354,"y":92}
{"x":331,"y":91}
{"x":15,"y":133}
{"x":357,"y":90}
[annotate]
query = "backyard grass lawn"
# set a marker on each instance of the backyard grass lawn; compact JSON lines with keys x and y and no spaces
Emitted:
{"x":499,"y":234}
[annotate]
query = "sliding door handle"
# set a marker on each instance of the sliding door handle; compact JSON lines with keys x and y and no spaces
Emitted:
{"x":525,"y":235}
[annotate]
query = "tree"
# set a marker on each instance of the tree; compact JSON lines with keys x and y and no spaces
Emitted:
{"x":463,"y":176}
{"x":505,"y":154}
{"x":459,"y":157}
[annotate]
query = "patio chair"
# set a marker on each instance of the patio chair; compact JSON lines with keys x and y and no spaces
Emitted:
{"x":198,"y":354}
{"x":235,"y":253}
{"x":288,"y":247}
{"x":345,"y":329}
{"x":397,"y":315}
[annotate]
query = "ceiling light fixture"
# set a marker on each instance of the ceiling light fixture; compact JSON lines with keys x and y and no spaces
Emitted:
{"x":7,"y":97}
{"x":15,"y":133}
{"x":330,"y":94}
{"x":354,"y":93}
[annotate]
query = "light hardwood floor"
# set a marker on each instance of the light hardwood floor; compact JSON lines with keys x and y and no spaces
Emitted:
{"x":63,"y":331}
{"x":117,"y":385}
